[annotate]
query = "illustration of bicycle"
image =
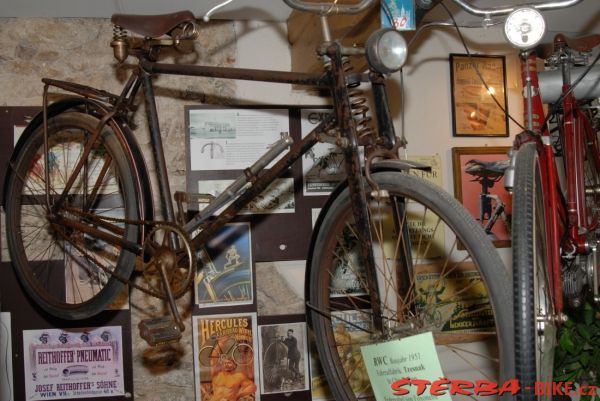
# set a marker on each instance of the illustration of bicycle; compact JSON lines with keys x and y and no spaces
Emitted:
{"x":220,"y":349}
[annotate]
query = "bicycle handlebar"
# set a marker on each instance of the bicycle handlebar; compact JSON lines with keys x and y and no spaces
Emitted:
{"x":495,"y":11}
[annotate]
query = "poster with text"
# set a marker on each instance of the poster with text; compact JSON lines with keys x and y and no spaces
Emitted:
{"x":351,"y":331}
{"x":225,"y":263}
{"x":226,"y":364}
{"x":451,"y":297}
{"x":73,"y":363}
{"x":233,"y":139}
{"x":323,"y":164}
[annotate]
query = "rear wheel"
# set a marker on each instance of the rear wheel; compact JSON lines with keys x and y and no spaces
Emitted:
{"x":436,"y":272}
{"x":535,"y":332}
{"x":62,"y":206}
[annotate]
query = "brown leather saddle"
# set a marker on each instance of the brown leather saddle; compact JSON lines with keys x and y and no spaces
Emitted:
{"x":152,"y":26}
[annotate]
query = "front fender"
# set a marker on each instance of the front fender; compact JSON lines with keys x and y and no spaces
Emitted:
{"x":121,"y":129}
{"x":402,"y":166}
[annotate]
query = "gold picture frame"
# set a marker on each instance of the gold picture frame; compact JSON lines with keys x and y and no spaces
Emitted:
{"x":478,"y":92}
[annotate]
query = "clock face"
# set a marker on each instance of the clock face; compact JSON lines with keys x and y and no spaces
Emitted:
{"x":524,"y":27}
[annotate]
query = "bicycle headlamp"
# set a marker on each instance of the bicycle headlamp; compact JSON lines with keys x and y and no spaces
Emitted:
{"x":386,"y":51}
{"x":524,"y":27}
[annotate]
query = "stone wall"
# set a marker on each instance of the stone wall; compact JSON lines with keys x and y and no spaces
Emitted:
{"x":78,"y":50}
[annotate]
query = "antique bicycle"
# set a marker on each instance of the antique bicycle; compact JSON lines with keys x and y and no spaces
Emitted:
{"x":556,"y":198}
{"x":213,"y":353}
{"x":78,"y":195}
{"x":554,"y":177}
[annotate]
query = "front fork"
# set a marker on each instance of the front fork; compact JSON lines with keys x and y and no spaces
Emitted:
{"x":354,"y":175}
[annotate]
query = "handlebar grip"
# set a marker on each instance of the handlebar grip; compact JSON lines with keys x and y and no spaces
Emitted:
{"x":330,"y":8}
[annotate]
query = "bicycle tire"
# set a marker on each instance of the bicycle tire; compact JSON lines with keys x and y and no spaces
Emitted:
{"x":205,"y":356}
{"x":243,"y":354}
{"x":334,"y":250}
{"x":58,"y":266}
{"x":534,"y":348}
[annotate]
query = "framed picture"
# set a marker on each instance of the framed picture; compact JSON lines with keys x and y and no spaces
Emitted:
{"x":479,"y":185}
{"x":478,"y":91}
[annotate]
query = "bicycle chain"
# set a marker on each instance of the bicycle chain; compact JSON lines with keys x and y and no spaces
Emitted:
{"x":151,"y":224}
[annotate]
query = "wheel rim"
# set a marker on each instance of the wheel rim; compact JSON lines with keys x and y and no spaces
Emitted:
{"x":418,"y":308}
{"x":62,"y":265}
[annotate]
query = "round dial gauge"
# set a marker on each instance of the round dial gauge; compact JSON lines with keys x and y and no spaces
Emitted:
{"x":524,"y":27}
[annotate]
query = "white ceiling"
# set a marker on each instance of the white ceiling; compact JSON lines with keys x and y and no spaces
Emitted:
{"x":583,"y":18}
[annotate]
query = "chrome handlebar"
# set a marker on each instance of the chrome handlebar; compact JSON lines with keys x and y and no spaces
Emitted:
{"x":331,"y":7}
{"x":496,"y":11}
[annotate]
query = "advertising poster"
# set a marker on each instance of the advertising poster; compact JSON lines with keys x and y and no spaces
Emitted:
{"x":323,"y":165}
{"x":226,"y":364}
{"x":453,"y":300}
{"x":434,"y":162}
{"x":283,"y":358}
{"x":73,"y":363}
{"x":225,"y":268}
{"x":318,"y":382}
{"x":233,"y":139}
{"x":474,"y":110}
{"x":351,"y":331}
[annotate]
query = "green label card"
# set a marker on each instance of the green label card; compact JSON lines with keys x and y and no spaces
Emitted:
{"x":399,"y":369}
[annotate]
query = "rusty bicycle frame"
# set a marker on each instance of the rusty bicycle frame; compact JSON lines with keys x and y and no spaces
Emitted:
{"x":338,"y":128}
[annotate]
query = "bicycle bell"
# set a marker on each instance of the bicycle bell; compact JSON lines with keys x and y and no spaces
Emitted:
{"x":524,"y":27}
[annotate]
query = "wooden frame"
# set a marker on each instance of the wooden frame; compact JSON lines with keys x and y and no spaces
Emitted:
{"x":469,"y":188}
{"x":474,"y":110}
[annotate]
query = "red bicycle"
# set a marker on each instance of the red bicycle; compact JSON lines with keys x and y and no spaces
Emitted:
{"x":554,"y":175}
{"x":556,"y":200}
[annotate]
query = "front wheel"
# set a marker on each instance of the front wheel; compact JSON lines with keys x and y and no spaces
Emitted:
{"x":535,"y":330}
{"x":436,"y":272}
{"x":68,"y":206}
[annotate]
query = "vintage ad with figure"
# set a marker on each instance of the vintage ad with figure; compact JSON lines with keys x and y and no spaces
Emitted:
{"x":225,"y":268}
{"x":226,"y":366}
{"x":73,"y":363}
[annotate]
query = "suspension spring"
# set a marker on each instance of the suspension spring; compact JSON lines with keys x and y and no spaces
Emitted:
{"x":119,"y":32}
{"x":359,"y":106}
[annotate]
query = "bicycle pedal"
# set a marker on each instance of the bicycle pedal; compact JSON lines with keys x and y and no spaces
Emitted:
{"x":160,"y":330}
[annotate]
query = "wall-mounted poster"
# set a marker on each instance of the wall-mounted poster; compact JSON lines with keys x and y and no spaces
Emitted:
{"x":479,"y":186}
{"x":479,"y":102}
{"x":73,"y":363}
{"x":283,"y":358}
{"x":226,"y":364}
{"x":452,"y":299}
{"x":233,"y":139}
{"x":323,"y":164}
{"x":225,"y":263}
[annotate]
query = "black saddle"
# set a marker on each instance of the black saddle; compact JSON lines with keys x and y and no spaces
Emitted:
{"x":493,"y":170}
